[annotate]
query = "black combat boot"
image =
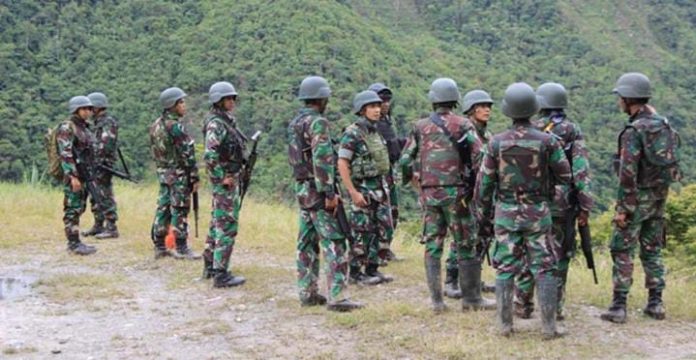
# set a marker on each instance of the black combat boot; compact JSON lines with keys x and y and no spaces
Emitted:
{"x":452,"y":284}
{"x":77,"y":247}
{"x":372,"y":270}
{"x":224,"y":279}
{"x":470,"y":285}
{"x":110,"y":231}
{"x":208,"y":271}
{"x":548,"y":302}
{"x":344,"y":305}
{"x":654,"y":308}
{"x":359,"y":277}
{"x":617,"y":309}
{"x":161,"y":250}
{"x":503,"y":297}
{"x":96,"y":228}
{"x":313,"y":299}
{"x":183,"y":252}
{"x":432,"y":274}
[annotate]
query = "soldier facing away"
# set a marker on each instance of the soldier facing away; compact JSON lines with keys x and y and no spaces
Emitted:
{"x":553,"y":99}
{"x":647,"y":164}
{"x":75,"y":148}
{"x":106,"y":147}
{"x":446,"y":149}
{"x":177,"y":172}
{"x":363,"y":163}
{"x":519,"y":168}
{"x":313,"y":160}
{"x":224,"y":160}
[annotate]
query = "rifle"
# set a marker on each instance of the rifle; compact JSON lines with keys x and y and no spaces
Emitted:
{"x":194,"y":197}
{"x":249,"y":166}
{"x":116,"y":173}
{"x":586,"y":245}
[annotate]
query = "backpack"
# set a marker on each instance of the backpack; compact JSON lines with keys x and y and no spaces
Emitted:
{"x":54,"y":168}
{"x":661,"y":147}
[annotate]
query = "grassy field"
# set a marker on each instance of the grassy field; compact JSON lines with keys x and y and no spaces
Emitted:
{"x":120,"y":303}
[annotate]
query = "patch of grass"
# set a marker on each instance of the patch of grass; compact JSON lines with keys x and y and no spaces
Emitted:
{"x":84,"y":287}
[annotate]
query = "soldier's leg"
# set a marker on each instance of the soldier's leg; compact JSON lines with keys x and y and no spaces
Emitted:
{"x":543,"y":263}
{"x":363,"y":233}
{"x":382,"y":224}
{"x":107,"y":207}
{"x":226,"y":225}
{"x":434,"y":232}
{"x":524,"y":293}
{"x":307,"y":257}
{"x":623,"y":248}
{"x":508,"y":259}
{"x":452,"y":273}
{"x":563,"y":262}
{"x":74,"y":203}
{"x":162,"y":221}
{"x":97,"y":213}
{"x":181,"y":203}
{"x":651,"y":243}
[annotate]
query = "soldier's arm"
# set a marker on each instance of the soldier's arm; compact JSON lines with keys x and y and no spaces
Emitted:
{"x":486,"y":181}
{"x":627,"y":199}
{"x":214,"y":135}
{"x":187,"y":150}
{"x":581,"y":171}
{"x":558,"y":163}
{"x":109,"y":140}
{"x":65,"y":137}
{"x":408,"y":156}
{"x":476,"y":149}
{"x":323,"y":157}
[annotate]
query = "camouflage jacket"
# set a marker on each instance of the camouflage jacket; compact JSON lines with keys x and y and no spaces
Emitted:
{"x":354,"y":148}
{"x":572,"y":141}
{"x":636,"y":182}
{"x":482,"y":131}
{"x":224,"y":146}
{"x":76,"y":148}
{"x":312,"y":156}
{"x":172,"y":149}
{"x":442,"y":171}
{"x":106,"y":133}
{"x":519,"y":167}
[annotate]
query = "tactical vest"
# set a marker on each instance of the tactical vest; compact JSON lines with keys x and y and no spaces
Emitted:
{"x":440,"y":162}
{"x":523,"y":171}
{"x":385,"y":128}
{"x":162,"y":144}
{"x":299,"y":150}
{"x":374,"y":162}
{"x":231,"y":148}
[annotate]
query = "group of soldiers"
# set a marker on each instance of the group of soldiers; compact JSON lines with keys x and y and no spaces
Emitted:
{"x":506,"y":195}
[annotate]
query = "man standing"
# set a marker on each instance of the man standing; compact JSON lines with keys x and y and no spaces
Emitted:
{"x":106,"y":148}
{"x":447,"y":151}
{"x":553,"y":99}
{"x":75,"y":148}
{"x":224,"y":160}
{"x":363,"y":163}
{"x":174,"y":154}
{"x":647,"y":164}
{"x":313,"y":161}
{"x":519,"y":168}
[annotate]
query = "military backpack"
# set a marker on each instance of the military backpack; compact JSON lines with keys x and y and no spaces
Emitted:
{"x":54,"y":168}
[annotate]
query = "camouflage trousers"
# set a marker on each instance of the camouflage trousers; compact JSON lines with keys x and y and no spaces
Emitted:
{"x":74,"y":204}
{"x":319,"y":231}
{"x":173,"y":204}
{"x":516,"y":250}
{"x":646,"y":231}
{"x":224,"y":225}
{"x":372,"y":227}
{"x":103,"y":203}
{"x":455,"y":218}
{"x":524,"y":282}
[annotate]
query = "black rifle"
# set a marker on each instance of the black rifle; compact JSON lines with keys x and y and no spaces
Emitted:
{"x":194,"y":203}
{"x":116,"y":173}
{"x":248,"y":168}
{"x":586,"y":245}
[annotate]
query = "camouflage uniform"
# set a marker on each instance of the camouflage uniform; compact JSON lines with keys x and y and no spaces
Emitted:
{"x":313,"y":159}
{"x":106,"y":133}
{"x":372,"y":225}
{"x":224,"y":156}
{"x":174,"y":154}
{"x":76,"y":151}
{"x":386,"y":129}
{"x":572,"y":141}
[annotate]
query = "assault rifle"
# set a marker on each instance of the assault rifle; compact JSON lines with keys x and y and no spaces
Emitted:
{"x":249,"y":166}
{"x":124,"y":175}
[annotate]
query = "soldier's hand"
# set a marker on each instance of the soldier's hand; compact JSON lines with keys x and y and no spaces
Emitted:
{"x":75,"y":184}
{"x":228,"y":181}
{"x":331,"y":204}
{"x":620,"y":220}
{"x":583,"y":217}
{"x":194,"y":187}
{"x":358,"y":199}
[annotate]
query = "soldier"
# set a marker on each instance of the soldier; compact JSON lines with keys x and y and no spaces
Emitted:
{"x":106,"y":147}
{"x":477,"y":107}
{"x":518,"y":168}
{"x":647,"y":165}
{"x":385,"y":126}
{"x":75,"y":149}
{"x":174,"y":154}
{"x":553,"y":99}
{"x":224,"y":159}
{"x":363,"y":163}
{"x":313,"y":162}
{"x":448,"y":152}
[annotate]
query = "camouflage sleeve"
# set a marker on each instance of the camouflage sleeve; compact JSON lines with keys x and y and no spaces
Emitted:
{"x":108,"y":142}
{"x":323,"y":156}
{"x":186,"y":150}
{"x":476,"y":147}
{"x":348,"y":144}
{"x":627,"y":199}
{"x":581,"y":171}
{"x":64,"y":138}
{"x":558,"y":163}
{"x":214,"y":135}
{"x":408,"y":156}
{"x":486,"y":181}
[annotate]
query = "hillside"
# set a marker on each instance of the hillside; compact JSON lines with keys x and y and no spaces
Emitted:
{"x":133,"y":49}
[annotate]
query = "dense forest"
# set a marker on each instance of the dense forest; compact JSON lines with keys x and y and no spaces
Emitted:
{"x":133,"y":49}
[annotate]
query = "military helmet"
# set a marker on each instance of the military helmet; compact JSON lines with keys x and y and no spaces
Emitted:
{"x":220,"y":90}
{"x":314,"y":87}
{"x":169,"y":97}
{"x":443,"y":90}
{"x":98,"y":100}
{"x":520,"y":101}
{"x":77,"y":102}
{"x":475,"y":97}
{"x":552,"y":96}
{"x":633,"y":86}
{"x":363,"y":98}
{"x":379,"y":87}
